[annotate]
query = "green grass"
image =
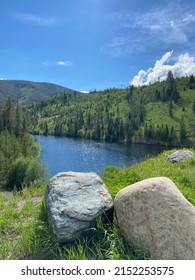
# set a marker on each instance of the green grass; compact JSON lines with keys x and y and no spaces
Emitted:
{"x":158,"y":112}
{"x":182,"y":174}
{"x":25,"y":233}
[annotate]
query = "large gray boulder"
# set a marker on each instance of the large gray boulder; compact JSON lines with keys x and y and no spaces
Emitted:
{"x":154,"y":214}
{"x":74,"y":201}
{"x":180,"y":156}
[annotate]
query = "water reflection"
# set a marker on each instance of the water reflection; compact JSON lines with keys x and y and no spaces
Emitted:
{"x":67,"y":154}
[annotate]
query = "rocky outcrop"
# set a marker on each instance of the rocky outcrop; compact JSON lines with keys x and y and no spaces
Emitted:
{"x":180,"y":156}
{"x":74,"y":201}
{"x":156,"y":215}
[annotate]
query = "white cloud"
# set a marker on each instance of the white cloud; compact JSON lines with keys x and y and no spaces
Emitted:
{"x":162,"y":26}
{"x":184,"y":66}
{"x":138,"y":80}
{"x":34,"y":19}
{"x":170,"y":24}
{"x":65,"y":63}
{"x":60,"y":63}
{"x":117,"y":47}
{"x":84,"y":91}
{"x":188,"y":18}
{"x":47,"y":63}
{"x":2,"y":79}
{"x":121,"y":46}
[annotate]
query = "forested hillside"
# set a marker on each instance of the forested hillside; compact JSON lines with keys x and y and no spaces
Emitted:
{"x":161,"y":113}
{"x":27,"y":92}
{"x":19,"y":152}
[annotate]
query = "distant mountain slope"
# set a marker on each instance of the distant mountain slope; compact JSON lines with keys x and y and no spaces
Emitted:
{"x":27,"y":92}
{"x":162,"y":113}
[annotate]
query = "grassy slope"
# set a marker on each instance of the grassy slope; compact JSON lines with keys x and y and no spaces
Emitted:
{"x":24,"y":231}
{"x":157,"y":112}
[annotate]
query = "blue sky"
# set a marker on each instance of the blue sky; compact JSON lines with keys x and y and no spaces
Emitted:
{"x":96,"y":44}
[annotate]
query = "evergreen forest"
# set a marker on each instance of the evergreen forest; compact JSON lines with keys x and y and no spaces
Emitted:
{"x":162,"y":113}
{"x":19,"y":152}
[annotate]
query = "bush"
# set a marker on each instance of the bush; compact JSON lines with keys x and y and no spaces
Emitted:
{"x":25,"y":172}
{"x":35,"y":172}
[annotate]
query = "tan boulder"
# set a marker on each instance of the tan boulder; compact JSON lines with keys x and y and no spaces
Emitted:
{"x":156,"y":215}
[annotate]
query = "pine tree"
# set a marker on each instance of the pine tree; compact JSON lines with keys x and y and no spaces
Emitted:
{"x":157,"y":95}
{"x":45,"y":132}
{"x":18,"y":120}
{"x":191,"y":82}
{"x":65,"y":99}
{"x":171,"y":109}
{"x":172,"y":93}
{"x":183,"y":132}
{"x":1,"y":118}
{"x":58,"y":129}
{"x":88,"y":122}
{"x":8,"y":115}
{"x":130,"y":93}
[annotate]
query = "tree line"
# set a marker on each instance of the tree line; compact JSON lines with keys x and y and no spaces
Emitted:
{"x":104,"y":116}
{"x":19,"y":152}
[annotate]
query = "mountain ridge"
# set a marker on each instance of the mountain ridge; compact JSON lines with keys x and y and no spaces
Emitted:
{"x":27,"y":92}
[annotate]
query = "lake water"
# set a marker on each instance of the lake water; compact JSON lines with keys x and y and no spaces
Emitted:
{"x":67,"y":154}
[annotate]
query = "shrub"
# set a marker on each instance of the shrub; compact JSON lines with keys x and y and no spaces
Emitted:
{"x":34,"y":172}
{"x":25,"y":172}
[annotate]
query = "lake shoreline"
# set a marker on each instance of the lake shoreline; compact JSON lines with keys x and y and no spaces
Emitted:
{"x":80,"y":155}
{"x":133,"y":141}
